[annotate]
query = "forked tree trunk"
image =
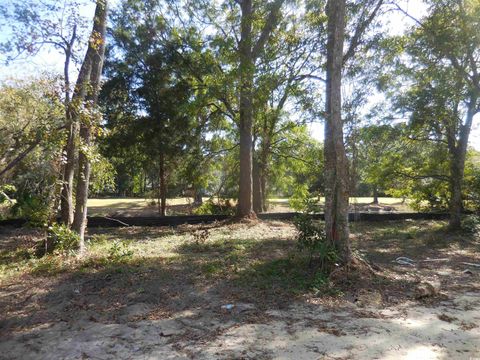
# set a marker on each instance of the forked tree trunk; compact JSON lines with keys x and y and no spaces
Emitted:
{"x":247,"y":71}
{"x":248,"y":53}
{"x":336,"y":166}
{"x":94,"y":57}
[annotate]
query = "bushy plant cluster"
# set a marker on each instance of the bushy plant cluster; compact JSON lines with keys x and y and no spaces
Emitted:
{"x":312,"y":239}
{"x":60,"y":240}
{"x":471,"y":224}
{"x":119,"y":251}
{"x":222,"y":207}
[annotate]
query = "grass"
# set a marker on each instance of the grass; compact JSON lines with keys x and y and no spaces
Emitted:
{"x":145,"y":207}
{"x":259,"y":256}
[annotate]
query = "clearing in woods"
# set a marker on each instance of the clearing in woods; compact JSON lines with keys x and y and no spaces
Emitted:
{"x":183,"y":206}
{"x":239,"y":291}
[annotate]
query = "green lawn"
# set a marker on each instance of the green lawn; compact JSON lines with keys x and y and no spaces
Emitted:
{"x":176,"y":206}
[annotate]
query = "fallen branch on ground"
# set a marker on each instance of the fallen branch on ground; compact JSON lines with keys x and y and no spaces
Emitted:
{"x":120,"y":222}
{"x":471,"y":264}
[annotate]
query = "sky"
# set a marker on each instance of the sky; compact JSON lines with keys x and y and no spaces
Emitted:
{"x":51,"y":61}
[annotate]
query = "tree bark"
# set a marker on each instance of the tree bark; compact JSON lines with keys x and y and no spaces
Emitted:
{"x":336,"y":166}
{"x":456,"y":205}
{"x":83,"y":181}
{"x":375,"y":194}
{"x":66,"y":193}
{"x":247,"y":72}
{"x":248,"y":53}
{"x":66,"y":202}
{"x":197,"y":196}
{"x":257,"y":188}
{"x":162,"y":187}
{"x":263,"y":187}
{"x":458,"y":153}
{"x":94,"y":59}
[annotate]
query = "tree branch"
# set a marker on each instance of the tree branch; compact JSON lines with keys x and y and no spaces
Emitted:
{"x":270,"y":24}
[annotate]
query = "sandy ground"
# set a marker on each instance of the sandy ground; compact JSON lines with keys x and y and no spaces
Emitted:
{"x":303,"y":331}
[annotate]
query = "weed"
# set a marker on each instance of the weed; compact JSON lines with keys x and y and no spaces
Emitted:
{"x":119,"y":251}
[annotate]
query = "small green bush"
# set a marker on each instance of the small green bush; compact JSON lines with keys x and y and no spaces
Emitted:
{"x":311,"y":238}
{"x":471,"y":224}
{"x":209,"y":207}
{"x":35,"y":209}
{"x":61,"y":239}
{"x":119,"y":251}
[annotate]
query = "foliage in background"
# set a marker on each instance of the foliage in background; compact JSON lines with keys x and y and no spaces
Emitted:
{"x":216,"y":207}
{"x":31,"y":123}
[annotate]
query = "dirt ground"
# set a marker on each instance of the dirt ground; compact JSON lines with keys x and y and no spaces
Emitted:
{"x":240,"y":291}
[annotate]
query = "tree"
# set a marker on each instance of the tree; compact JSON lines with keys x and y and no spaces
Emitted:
{"x":31,"y":138}
{"x":445,"y":93}
{"x":159,"y":97}
{"x":42,"y":25}
{"x":88,"y":87}
{"x":336,"y":164}
{"x":30,"y":117}
{"x":282,"y":90}
{"x":375,"y":145}
{"x":249,"y":51}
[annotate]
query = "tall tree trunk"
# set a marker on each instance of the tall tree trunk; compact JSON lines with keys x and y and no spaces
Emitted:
{"x":66,"y":201}
{"x":458,"y":153}
{"x":257,"y":188}
{"x":247,"y":71}
{"x":375,"y":194}
{"x":83,"y":181}
{"x":456,"y":180}
{"x":94,"y":57}
{"x":197,"y":196}
{"x":66,"y":193}
{"x":263,"y":187}
{"x":336,"y":166}
{"x":162,"y":187}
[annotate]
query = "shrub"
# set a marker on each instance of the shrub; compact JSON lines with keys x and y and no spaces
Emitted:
{"x":311,"y":238}
{"x":305,"y":202}
{"x":471,"y":224}
{"x":119,"y":252}
{"x":33,"y":209}
{"x":6,"y":192}
{"x":60,"y":239}
{"x":209,"y":207}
